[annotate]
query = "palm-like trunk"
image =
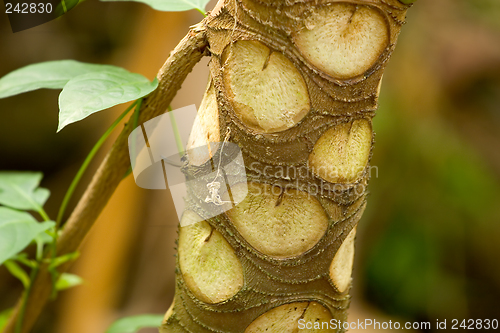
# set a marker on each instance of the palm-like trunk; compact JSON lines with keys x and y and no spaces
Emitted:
{"x":295,"y":85}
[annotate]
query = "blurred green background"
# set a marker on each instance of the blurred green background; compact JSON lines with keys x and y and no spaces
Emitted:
{"x":428,"y":245}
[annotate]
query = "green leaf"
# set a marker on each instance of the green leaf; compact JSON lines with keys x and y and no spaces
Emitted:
{"x":92,"y":92}
{"x":20,"y":190}
{"x":41,"y":239}
{"x":41,"y":195}
{"x":174,"y":5}
{"x":67,"y":280}
{"x":23,"y":259}
{"x":17,"y":230}
{"x":4,"y":317}
{"x":44,"y":238}
{"x":58,"y":261}
{"x":50,"y":74}
{"x":134,"y":323}
{"x":18,"y":272}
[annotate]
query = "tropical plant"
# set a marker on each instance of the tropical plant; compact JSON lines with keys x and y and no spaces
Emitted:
{"x":295,"y":85}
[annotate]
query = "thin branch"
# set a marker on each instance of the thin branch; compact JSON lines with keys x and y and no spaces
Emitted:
{"x":111,"y":171}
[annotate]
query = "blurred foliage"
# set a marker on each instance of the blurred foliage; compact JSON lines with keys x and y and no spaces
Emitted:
{"x":487,"y":11}
{"x":65,"y":5}
{"x":432,"y":222}
{"x":94,"y":32}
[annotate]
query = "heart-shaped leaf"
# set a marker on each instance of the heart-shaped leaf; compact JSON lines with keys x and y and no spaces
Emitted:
{"x":17,"y":230}
{"x":135,"y":323}
{"x":173,"y":5}
{"x":50,"y":74}
{"x":92,"y":92}
{"x":20,"y":190}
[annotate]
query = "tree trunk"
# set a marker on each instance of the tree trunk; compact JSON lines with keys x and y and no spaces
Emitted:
{"x":295,"y":84}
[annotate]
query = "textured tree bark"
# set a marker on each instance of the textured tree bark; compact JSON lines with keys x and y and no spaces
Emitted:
{"x":295,"y":84}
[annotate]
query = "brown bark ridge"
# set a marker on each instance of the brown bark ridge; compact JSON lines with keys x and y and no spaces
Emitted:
{"x":295,"y":84}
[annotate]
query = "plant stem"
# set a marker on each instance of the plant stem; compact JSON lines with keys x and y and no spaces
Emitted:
{"x":175,"y":128}
{"x":136,"y":113}
{"x":20,"y":318}
{"x":86,"y":163}
{"x":65,"y":9}
{"x":77,"y":179}
{"x":43,"y":214}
